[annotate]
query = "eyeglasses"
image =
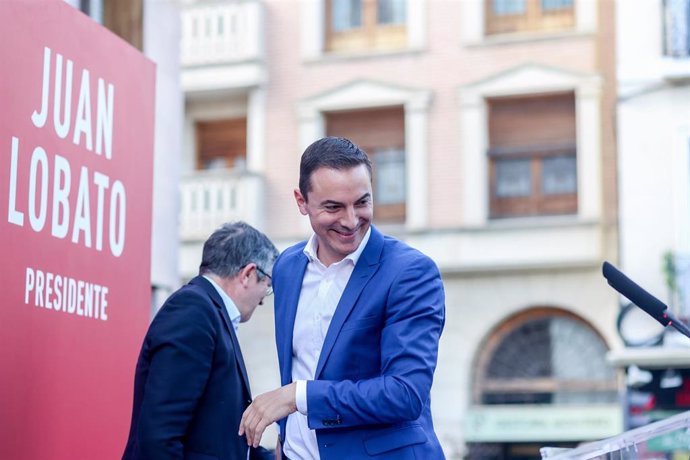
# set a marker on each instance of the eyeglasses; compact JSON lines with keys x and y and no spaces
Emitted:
{"x":269,"y":289}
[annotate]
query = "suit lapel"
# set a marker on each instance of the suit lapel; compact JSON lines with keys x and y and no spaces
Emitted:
{"x":218,"y":302}
{"x":366,"y":266}
{"x":288,"y":312}
{"x":236,"y":348}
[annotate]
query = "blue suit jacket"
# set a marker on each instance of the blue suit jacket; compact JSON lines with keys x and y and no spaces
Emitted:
{"x":191,"y":385}
{"x":370,"y":396}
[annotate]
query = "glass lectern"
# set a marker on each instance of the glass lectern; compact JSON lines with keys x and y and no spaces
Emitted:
{"x":667,"y":439}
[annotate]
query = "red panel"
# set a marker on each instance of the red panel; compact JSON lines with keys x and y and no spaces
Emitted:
{"x":65,"y":391}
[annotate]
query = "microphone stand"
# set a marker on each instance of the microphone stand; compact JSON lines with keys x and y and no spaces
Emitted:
{"x":677,"y":324}
{"x":643,"y":299}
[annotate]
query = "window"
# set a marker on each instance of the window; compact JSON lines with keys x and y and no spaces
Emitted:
{"x":677,"y":28}
{"x":507,"y":16}
{"x":389,"y":176}
{"x":391,"y":12}
{"x":532,"y":156}
{"x":355,"y":25}
{"x":222,"y":144}
{"x":347,"y":15}
{"x":126,"y":19}
{"x":381,"y":133}
{"x":545,"y":356}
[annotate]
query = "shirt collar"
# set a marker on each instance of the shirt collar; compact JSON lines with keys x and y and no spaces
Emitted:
{"x":230,"y":306}
{"x":310,"y":250}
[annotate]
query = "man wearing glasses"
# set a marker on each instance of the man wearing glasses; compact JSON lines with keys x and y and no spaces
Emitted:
{"x":191,"y":386}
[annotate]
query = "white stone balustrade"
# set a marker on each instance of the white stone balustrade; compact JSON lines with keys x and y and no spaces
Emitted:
{"x":210,"y":198}
{"x":221,"y":33}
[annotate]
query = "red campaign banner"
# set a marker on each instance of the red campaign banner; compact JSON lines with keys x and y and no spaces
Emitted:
{"x":76,"y":164}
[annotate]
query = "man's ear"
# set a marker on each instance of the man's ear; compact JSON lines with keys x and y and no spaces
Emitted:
{"x":301,"y":202}
{"x":245,"y":273}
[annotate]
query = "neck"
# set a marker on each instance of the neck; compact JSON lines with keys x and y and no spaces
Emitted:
{"x":224,"y":283}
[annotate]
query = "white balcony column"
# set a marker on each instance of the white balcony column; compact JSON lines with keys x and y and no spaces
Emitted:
{"x":416,"y":23}
{"x":312,"y":20}
{"x":588,"y":116}
{"x":475,"y":183}
{"x":312,"y":126}
{"x":586,"y":16}
{"x":416,"y":169}
{"x":161,"y":44}
{"x":256,"y":130}
{"x":472,"y":25}
{"x":254,"y":17}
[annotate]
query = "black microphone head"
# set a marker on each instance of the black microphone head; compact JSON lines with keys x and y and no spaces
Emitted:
{"x":643,"y":299}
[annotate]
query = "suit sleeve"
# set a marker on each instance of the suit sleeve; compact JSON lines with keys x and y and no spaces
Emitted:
{"x":409,"y":347}
{"x":182,"y":342}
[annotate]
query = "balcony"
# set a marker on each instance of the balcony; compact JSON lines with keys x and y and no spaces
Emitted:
{"x":222,"y":45}
{"x":211,"y":198}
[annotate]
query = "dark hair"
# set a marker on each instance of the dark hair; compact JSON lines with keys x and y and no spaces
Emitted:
{"x":330,"y":152}
{"x":233,"y":246}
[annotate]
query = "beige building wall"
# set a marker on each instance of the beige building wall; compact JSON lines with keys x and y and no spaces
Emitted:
{"x":445,"y":63}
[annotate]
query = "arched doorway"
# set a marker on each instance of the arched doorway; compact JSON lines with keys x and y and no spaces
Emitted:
{"x":541,"y":378}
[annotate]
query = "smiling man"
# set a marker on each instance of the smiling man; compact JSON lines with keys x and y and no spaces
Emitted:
{"x":358,"y":319}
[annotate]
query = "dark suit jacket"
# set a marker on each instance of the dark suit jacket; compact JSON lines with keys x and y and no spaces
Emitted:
{"x":370,"y":396}
{"x":191,"y":386}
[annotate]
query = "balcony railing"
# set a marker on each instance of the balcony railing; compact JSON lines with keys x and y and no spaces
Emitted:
{"x":211,"y":198}
{"x":221,"y":33}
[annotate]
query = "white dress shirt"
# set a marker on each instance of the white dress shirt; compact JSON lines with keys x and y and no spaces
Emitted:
{"x":322,"y":288}
{"x":232,"y":310}
{"x":230,"y":306}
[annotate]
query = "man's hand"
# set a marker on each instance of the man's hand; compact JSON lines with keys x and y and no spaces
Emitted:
{"x":266,"y":409}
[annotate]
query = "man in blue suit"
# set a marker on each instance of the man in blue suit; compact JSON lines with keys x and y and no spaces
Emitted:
{"x":191,"y":385}
{"x":358,"y":320}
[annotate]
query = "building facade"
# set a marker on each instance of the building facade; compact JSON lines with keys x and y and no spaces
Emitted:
{"x":653,"y":126}
{"x":490,"y":125}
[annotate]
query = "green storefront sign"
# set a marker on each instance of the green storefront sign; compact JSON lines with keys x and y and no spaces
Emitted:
{"x":670,"y":442}
{"x":542,"y":423}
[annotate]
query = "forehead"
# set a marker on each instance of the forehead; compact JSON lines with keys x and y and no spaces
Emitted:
{"x":351,"y":182}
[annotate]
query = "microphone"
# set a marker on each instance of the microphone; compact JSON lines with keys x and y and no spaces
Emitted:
{"x":643,"y":299}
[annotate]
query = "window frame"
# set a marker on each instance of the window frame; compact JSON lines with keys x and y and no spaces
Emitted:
{"x":372,"y":35}
{"x":537,"y":203}
{"x":221,"y":133}
{"x":393,"y":212}
{"x":532,"y":127}
{"x":535,"y":18}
